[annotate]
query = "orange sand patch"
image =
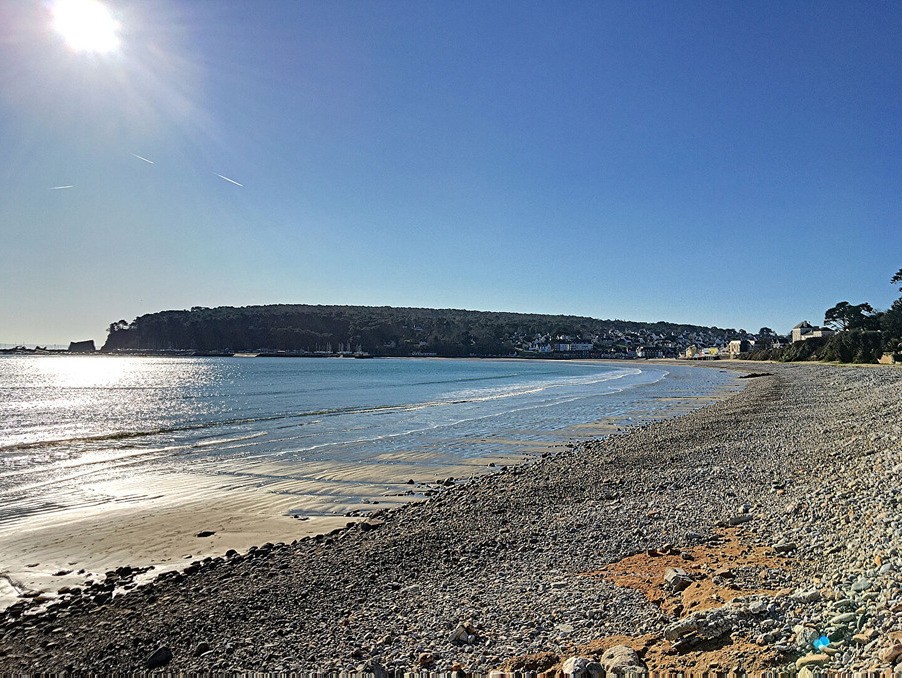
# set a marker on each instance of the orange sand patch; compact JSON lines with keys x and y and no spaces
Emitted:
{"x":712,"y":587}
{"x":645,"y":573}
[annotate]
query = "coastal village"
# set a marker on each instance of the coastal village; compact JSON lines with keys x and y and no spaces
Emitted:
{"x":702,"y":344}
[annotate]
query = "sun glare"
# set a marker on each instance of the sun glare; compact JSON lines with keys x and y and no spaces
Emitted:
{"x":86,"y":25}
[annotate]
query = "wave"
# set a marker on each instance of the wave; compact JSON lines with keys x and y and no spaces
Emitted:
{"x":456,"y":398}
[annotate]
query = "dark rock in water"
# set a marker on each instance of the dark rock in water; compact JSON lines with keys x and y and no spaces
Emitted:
{"x":206,"y":533}
{"x":202,"y":648}
{"x":159,"y":657}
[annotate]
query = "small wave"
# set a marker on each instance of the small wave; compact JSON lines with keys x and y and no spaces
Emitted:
{"x":225,"y":441}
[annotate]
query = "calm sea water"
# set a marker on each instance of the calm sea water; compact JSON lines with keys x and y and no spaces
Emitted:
{"x":65,"y":420}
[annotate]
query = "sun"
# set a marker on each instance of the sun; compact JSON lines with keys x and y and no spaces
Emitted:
{"x":86,"y":25}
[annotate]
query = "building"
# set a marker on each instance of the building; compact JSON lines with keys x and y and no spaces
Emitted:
{"x":805,"y":330}
{"x":737,"y":346}
{"x":649,"y":352}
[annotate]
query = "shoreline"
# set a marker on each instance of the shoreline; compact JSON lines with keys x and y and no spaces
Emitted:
{"x":247,"y":503}
{"x":519,"y":569}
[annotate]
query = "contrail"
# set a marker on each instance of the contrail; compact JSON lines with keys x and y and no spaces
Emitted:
{"x":229,"y":180}
{"x":59,"y":188}
{"x":141,"y":157}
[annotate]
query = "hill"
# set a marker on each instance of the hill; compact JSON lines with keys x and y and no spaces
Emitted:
{"x":389,"y":331}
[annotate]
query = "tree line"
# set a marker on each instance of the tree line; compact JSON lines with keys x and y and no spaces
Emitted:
{"x":863,"y":334}
{"x":380,"y":331}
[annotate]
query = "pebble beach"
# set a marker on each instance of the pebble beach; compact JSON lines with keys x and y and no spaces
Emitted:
{"x":759,"y":532}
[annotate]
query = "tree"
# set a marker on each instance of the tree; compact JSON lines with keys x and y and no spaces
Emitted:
{"x":766,"y":338}
{"x":897,"y":279}
{"x":845,"y":316}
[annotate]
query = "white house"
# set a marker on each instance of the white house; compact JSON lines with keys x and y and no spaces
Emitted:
{"x":805,"y":330}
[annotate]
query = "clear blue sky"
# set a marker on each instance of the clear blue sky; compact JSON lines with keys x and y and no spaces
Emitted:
{"x":727,"y":163}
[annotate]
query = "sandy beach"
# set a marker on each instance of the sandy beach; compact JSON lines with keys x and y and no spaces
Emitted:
{"x":759,"y":531}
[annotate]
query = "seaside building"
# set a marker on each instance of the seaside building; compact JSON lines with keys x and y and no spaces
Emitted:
{"x":805,"y":330}
{"x":737,"y":346}
{"x":650,"y":352}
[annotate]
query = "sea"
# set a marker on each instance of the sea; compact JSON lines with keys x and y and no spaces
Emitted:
{"x":67,"y":422}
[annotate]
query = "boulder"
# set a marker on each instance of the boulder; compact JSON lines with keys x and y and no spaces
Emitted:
{"x":889,"y":655}
{"x":576,"y":667}
{"x":159,"y":657}
{"x":621,"y":658}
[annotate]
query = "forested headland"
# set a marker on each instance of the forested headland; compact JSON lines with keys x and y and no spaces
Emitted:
{"x":386,"y":331}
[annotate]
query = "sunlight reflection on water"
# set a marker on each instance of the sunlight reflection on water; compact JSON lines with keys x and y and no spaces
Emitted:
{"x":71,"y":424}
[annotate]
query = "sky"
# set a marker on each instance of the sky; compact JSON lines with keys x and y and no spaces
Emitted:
{"x":735,"y":164}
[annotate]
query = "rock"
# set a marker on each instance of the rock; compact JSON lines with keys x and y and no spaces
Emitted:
{"x":576,"y":667}
{"x":201,"y":648}
{"x":861,"y":585}
{"x":785,"y":547}
{"x":805,"y":635}
{"x":677,"y":578}
{"x":758,"y":607}
{"x":842,"y":619}
{"x":462,"y":633}
{"x":811,"y":596}
{"x":812,"y":660}
{"x":680,"y":628}
{"x":621,"y":658}
{"x":889,"y":655}
{"x":159,"y":657}
{"x":425,"y":659}
{"x":738,"y":519}
{"x":206,"y":533}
